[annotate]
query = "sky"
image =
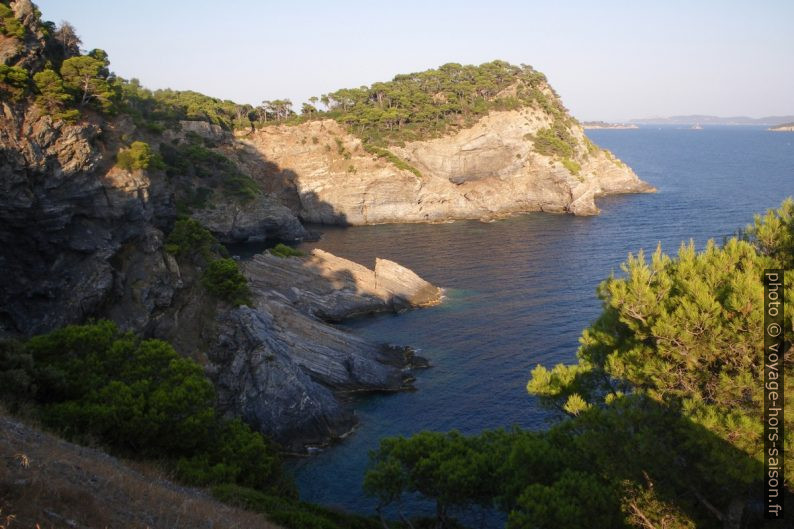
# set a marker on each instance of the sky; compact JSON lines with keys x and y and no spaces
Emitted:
{"x":608,"y":60}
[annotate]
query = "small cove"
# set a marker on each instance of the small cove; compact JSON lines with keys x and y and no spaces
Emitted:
{"x":520,"y":290}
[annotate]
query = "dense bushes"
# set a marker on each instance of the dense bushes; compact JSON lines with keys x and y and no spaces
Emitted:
{"x":75,"y":81}
{"x":222,"y":277}
{"x":282,"y":250}
{"x":773,"y":234}
{"x":139,"y":156}
{"x":555,"y":141}
{"x":212,"y":169}
{"x":430,"y":103}
{"x":386,"y":154}
{"x":136,"y":395}
{"x":13,"y":81}
{"x":189,"y":239}
{"x":9,"y":25}
{"x":290,"y":512}
{"x":572,"y":166}
{"x":140,"y":398}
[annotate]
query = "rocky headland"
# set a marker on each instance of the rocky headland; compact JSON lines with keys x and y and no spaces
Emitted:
{"x":489,"y":170}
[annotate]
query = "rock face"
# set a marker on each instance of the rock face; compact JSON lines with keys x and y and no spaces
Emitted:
{"x":257,"y":379}
{"x":279,"y":366}
{"x":257,"y":220}
{"x":485,"y":171}
{"x":333,"y":288}
{"x":63,"y":216}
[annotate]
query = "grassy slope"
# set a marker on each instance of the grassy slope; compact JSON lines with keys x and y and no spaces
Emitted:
{"x":47,"y":481}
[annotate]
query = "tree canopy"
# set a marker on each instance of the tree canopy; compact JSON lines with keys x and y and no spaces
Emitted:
{"x":431,"y":103}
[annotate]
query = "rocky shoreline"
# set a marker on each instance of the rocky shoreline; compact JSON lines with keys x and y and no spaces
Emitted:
{"x":282,"y":367}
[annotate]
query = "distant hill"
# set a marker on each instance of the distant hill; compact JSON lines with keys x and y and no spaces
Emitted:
{"x":605,"y":125}
{"x":714,"y":120}
{"x":783,"y":127}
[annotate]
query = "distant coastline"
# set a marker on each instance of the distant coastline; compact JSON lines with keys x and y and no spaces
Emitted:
{"x":605,"y":125}
{"x":697,"y":119}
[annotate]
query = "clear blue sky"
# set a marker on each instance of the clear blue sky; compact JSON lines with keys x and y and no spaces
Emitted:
{"x":611,"y":60}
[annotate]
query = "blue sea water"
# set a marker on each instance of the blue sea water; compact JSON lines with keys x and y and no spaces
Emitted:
{"x":520,"y":290}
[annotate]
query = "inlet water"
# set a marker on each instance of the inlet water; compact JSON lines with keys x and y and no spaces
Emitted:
{"x":520,"y":290}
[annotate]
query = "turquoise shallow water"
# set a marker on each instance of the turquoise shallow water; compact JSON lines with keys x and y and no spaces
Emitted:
{"x":520,"y":290}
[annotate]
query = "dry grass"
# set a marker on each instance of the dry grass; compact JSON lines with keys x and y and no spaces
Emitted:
{"x":46,"y":483}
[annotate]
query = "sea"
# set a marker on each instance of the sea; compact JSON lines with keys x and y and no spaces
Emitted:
{"x":519,"y":291}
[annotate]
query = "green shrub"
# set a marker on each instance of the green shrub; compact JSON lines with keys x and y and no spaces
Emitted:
{"x":139,"y":156}
{"x":135,"y":395}
{"x":224,"y":280}
{"x":236,"y":454}
{"x":773,"y":233}
{"x":572,"y":166}
{"x":190,"y":239}
{"x":555,"y":141}
{"x":386,"y":154}
{"x":52,"y":95}
{"x":592,"y":148}
{"x":282,"y":250}
{"x":614,"y":159}
{"x":17,"y":383}
{"x":434,"y":102}
{"x":14,"y":81}
{"x":289,"y":512}
{"x":196,"y":161}
{"x":9,"y":25}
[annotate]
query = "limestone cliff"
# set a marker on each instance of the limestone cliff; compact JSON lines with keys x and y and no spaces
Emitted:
{"x":490,"y":169}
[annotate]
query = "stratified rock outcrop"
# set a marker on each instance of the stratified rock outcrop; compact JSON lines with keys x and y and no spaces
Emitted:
{"x":488,"y":170}
{"x":333,"y":288}
{"x":256,"y":220}
{"x":257,"y":379}
{"x":279,"y":365}
{"x":63,"y":216}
